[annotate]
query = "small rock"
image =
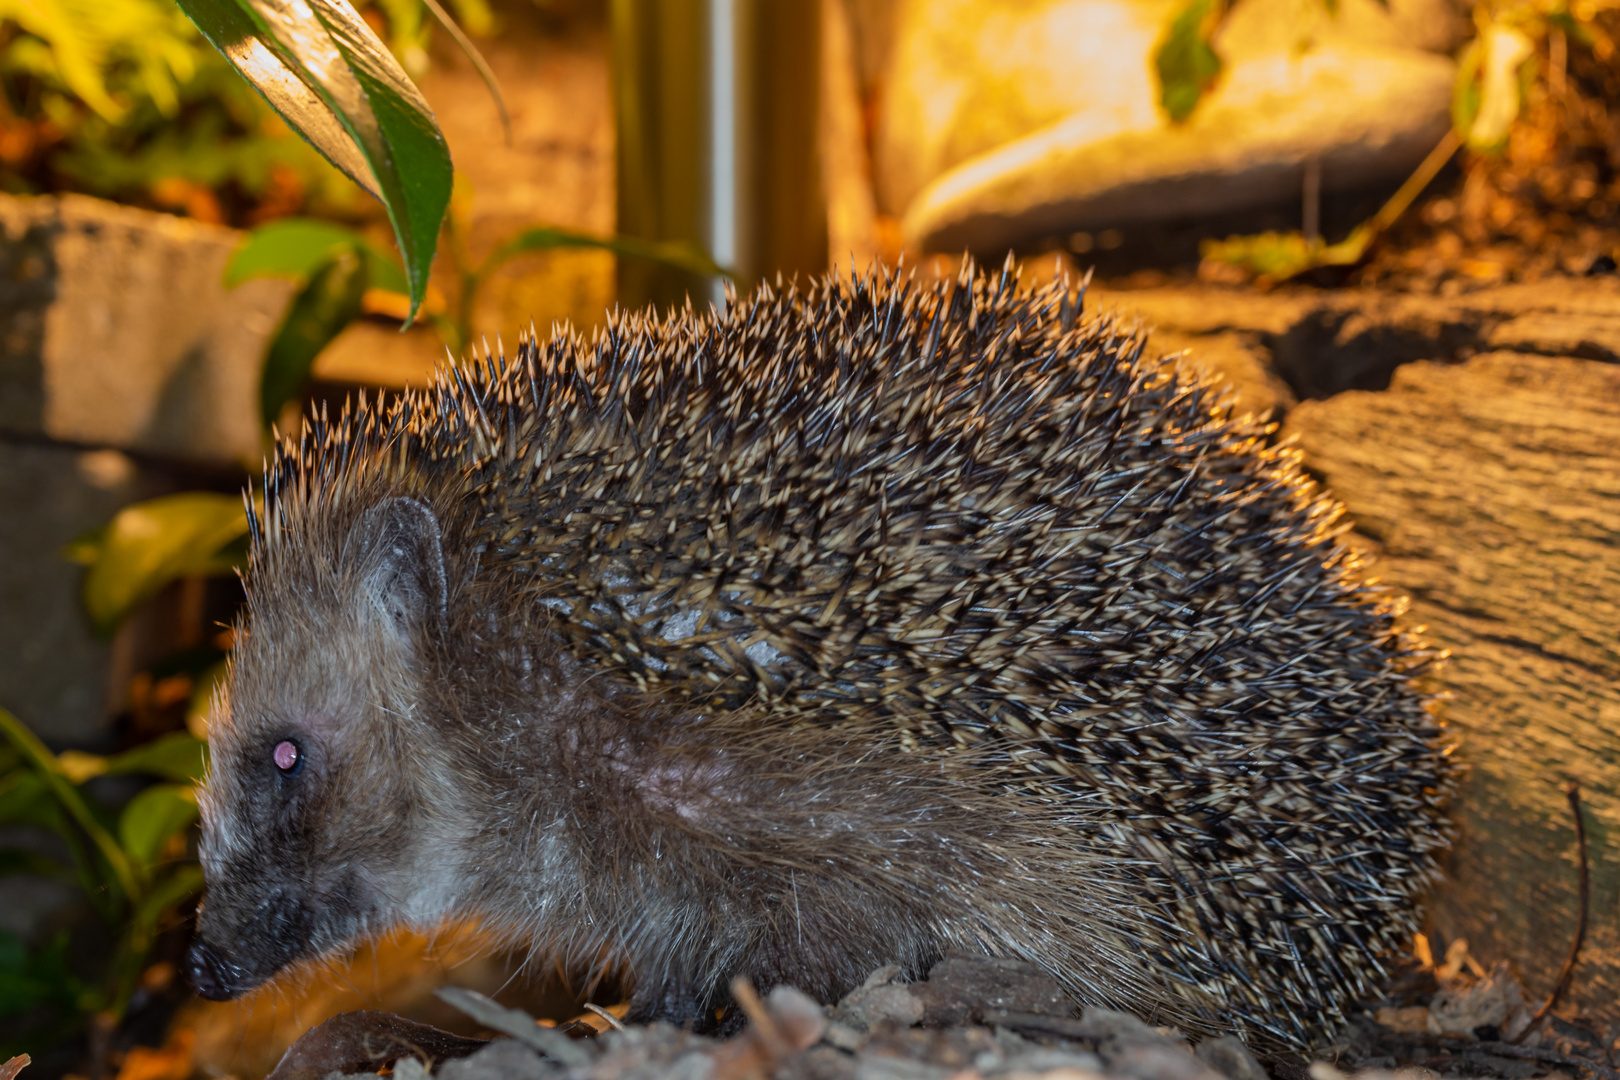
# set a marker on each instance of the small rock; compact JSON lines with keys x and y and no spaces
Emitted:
{"x":1229,"y":1057}
{"x":1517,"y":1022}
{"x":890,"y":1003}
{"x":1039,"y":1061}
{"x":697,"y":1065}
{"x":879,"y":1067}
{"x":843,"y":1037}
{"x":800,"y":1020}
{"x":1114,"y":1030}
{"x":1367,"y":115}
{"x":965,"y":989}
{"x":881,"y":976}
{"x":1164,"y":1060}
{"x":1490,"y":1001}
{"x":819,"y":1063}
{"x":410,"y":1069}
{"x":503,"y":1059}
{"x":1409,"y":1021}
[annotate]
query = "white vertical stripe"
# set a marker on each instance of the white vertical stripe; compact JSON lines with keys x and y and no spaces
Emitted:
{"x":722,"y":137}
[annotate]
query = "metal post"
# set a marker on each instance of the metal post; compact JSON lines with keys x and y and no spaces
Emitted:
{"x":716,"y":105}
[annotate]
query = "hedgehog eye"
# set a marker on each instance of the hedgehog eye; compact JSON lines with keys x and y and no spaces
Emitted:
{"x":288,"y":758}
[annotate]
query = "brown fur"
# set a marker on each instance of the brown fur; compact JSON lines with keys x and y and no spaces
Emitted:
{"x":851,"y":629}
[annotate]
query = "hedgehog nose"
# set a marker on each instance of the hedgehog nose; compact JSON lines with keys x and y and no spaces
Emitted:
{"x":213,"y":976}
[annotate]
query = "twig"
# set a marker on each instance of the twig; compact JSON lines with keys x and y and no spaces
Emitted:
{"x":759,"y":1018}
{"x":480,"y":65}
{"x":11,"y":1068}
{"x":1062,"y":1027}
{"x":618,"y":1025}
{"x":1415,"y":183}
{"x":1311,"y":211}
{"x":1574,"y":793}
{"x":1536,"y":1053}
{"x":1396,"y":1041}
{"x":516,"y":1023}
{"x":1557,"y":61}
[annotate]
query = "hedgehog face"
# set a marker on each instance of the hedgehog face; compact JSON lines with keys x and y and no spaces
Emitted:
{"x":313,"y":813}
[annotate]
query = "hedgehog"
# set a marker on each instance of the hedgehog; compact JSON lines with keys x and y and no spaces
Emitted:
{"x":852,"y":624}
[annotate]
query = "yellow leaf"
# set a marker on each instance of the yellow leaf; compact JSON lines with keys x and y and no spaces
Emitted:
{"x":1504,"y":51}
{"x":79,"y":766}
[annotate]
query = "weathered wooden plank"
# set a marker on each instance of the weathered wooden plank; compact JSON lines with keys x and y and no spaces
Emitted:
{"x":1490,"y":492}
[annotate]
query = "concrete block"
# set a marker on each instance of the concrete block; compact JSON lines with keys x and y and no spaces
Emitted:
{"x":53,"y":671}
{"x":116,"y":330}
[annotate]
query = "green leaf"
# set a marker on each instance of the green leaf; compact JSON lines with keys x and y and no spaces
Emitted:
{"x":1186,"y":61}
{"x":149,"y":544}
{"x":1282,"y":255}
{"x":26,"y":800}
{"x":123,"y":972}
{"x":241,"y":31}
{"x":79,"y":766}
{"x":330,"y":302}
{"x":480,"y":22}
{"x":319,"y":66}
{"x":152,"y":817}
{"x":1578,"y":31}
{"x":298,"y":247}
{"x":682,"y":256}
{"x":85,"y":548}
{"x":44,"y":764}
{"x":77,"y":51}
{"x":181,"y":757}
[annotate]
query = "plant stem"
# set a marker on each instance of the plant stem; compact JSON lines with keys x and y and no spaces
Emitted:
{"x":43,"y":761}
{"x":1398,"y":202}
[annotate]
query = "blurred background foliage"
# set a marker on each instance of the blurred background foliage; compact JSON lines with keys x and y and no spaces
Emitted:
{"x":130,"y":863}
{"x":1503,"y":89}
{"x":125,"y":100}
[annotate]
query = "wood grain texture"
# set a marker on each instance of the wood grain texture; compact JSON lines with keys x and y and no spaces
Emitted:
{"x":1490,"y":492}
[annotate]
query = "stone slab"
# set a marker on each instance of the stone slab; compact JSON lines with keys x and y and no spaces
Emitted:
{"x":958,"y":78}
{"x":1366,"y":115}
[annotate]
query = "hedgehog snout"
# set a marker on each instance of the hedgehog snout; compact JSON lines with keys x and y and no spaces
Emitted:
{"x":214,"y":976}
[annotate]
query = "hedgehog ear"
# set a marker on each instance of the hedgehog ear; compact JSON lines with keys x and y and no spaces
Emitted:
{"x":403,"y":579}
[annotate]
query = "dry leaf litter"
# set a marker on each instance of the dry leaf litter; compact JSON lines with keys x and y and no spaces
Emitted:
{"x":972,"y":1018}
